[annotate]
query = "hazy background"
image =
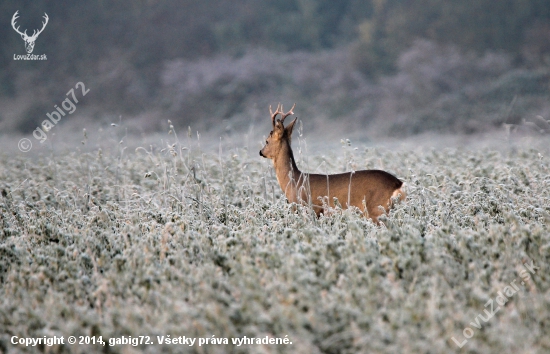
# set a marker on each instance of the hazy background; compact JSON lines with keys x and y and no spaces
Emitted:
{"x":384,"y":68}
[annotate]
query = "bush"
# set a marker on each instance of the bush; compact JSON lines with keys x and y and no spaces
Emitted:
{"x":201,"y":244}
{"x":441,"y":88}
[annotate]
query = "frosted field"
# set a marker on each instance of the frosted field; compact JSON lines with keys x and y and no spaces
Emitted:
{"x":199,"y":242}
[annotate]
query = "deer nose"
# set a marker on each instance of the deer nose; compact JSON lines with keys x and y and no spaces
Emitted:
{"x":262,"y":155}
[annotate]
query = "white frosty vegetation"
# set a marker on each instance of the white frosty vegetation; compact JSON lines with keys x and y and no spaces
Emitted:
{"x":178,"y":242}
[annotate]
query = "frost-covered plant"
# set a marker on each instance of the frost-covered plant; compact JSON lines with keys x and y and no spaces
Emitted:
{"x":176,"y":240}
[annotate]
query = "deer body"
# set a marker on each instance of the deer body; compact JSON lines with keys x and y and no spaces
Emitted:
{"x":366,"y":189}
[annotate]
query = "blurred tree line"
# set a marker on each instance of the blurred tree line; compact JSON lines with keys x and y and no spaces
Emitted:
{"x":84,"y":39}
{"x":517,"y":27}
{"x":154,"y":30}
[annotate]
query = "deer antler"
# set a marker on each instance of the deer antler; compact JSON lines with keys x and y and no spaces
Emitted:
{"x":13,"y":19}
{"x":274,"y":115}
{"x":287,"y":113}
{"x":34,"y":33}
{"x":280,"y":111}
{"x":43,"y":26}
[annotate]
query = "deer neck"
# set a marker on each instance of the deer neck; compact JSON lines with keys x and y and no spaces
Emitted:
{"x":288,"y":174}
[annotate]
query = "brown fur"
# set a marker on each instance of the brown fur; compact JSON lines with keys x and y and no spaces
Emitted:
{"x":366,"y":189}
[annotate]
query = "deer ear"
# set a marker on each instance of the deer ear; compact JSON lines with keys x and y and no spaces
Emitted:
{"x":289,"y":127}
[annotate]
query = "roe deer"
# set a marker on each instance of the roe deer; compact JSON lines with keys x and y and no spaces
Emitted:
{"x":369,"y":190}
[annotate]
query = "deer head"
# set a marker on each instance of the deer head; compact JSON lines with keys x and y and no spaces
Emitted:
{"x":29,"y":40}
{"x":280,"y":134}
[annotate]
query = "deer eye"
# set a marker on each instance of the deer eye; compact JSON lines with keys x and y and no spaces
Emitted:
{"x":266,"y":142}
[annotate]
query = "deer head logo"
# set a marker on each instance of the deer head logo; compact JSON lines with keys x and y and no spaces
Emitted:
{"x":29,"y":40}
